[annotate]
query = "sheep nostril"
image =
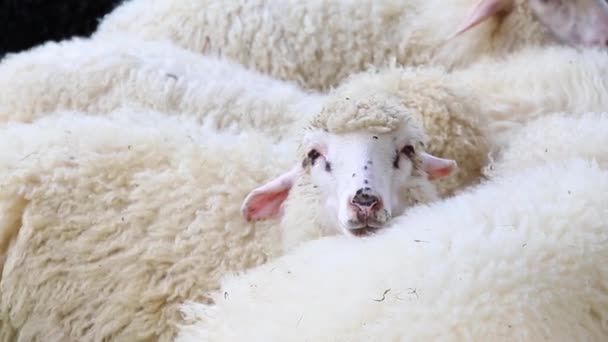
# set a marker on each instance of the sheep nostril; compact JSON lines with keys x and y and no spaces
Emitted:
{"x":366,"y":203}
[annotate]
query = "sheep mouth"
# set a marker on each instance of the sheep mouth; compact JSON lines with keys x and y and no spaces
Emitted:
{"x":365,"y":231}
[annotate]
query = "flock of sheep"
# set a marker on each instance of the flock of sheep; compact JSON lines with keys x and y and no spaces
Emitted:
{"x":295,"y":170}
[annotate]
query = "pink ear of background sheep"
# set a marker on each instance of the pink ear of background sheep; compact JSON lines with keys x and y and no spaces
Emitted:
{"x":577,"y":22}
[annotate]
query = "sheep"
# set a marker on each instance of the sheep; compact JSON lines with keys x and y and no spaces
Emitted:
{"x":499,"y":95}
{"x":109,"y":222}
{"x":99,"y":77}
{"x":468,"y":113}
{"x":317,"y":43}
{"x":25,"y":24}
{"x":554,"y":137}
{"x":534,"y":83}
{"x":520,"y":258}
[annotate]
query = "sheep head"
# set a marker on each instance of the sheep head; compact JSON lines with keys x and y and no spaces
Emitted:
{"x":577,"y":22}
{"x":363,"y":158}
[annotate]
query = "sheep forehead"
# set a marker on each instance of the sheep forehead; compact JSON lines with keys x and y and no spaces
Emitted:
{"x":341,"y":143}
{"x":374,"y":114}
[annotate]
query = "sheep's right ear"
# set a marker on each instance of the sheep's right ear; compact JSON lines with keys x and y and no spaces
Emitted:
{"x":267,"y":200}
{"x":482,"y":11}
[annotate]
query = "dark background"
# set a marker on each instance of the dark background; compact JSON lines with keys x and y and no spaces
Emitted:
{"x":27,"y":23}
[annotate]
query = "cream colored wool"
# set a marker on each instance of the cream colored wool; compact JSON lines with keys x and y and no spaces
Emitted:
{"x":471,"y":113}
{"x":377,"y":114}
{"x":555,"y":137}
{"x":532,"y":83}
{"x":317,"y":42}
{"x":108,"y":224}
{"x":501,"y":94}
{"x":445,"y":114}
{"x":519,"y":259}
{"x":98,"y":77}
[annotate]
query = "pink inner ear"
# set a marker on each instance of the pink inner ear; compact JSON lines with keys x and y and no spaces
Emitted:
{"x":482,"y":11}
{"x":265,"y":205}
{"x":267,"y":200}
{"x":438,"y":173}
{"x":437,"y":167}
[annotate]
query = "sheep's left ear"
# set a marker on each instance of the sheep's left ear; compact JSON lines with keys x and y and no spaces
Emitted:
{"x":481,"y":12}
{"x":437,"y":167}
{"x":267,"y":200}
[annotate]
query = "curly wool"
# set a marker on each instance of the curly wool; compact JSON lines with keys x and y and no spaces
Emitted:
{"x":471,"y":113}
{"x":318,"y":43}
{"x":501,"y":262}
{"x":440,"y":108}
{"x":376,"y":113}
{"x":509,"y":91}
{"x":108,"y":223}
{"x":552,"y":138}
{"x":98,"y":77}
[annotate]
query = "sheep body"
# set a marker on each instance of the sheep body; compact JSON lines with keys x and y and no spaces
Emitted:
{"x":554,"y":137}
{"x":317,"y":43}
{"x":471,"y":113}
{"x":512,"y":90}
{"x":98,"y":77}
{"x":110,"y":222}
{"x":467,"y":113}
{"x":508,"y":251}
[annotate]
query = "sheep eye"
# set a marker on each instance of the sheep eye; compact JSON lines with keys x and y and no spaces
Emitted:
{"x":327,"y":167}
{"x":408,"y":150}
{"x":313,"y":155}
{"x":396,"y":159}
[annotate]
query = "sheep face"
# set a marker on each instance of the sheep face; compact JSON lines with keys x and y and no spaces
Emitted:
{"x":364,"y":177}
{"x":577,"y":22}
{"x":362,"y":173}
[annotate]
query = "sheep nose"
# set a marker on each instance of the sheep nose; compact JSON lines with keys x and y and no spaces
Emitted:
{"x":366,"y":202}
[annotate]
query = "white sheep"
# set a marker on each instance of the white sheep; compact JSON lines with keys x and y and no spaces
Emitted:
{"x":513,"y":90}
{"x":98,"y":77}
{"x":522,"y":258}
{"x":460,"y":110}
{"x":555,"y":137}
{"x":108,"y":223}
{"x":498,"y":95}
{"x":318,"y":42}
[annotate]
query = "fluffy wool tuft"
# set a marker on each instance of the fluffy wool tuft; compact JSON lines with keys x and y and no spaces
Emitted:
{"x":553,"y":138}
{"x":318,"y":43}
{"x":445,"y":112}
{"x":98,"y":77}
{"x":375,"y":113}
{"x":109,"y":223}
{"x":499,"y":263}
